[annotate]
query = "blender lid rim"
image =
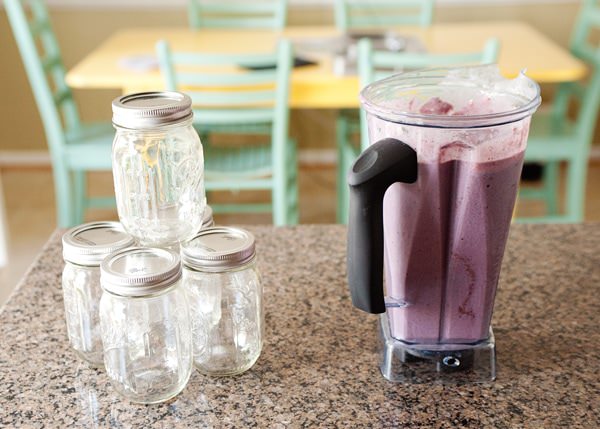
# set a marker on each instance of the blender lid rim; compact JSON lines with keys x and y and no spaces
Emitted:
{"x":447,"y":121}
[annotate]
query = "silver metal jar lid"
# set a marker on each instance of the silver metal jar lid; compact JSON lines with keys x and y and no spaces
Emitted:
{"x":218,"y":248}
{"x":151,"y":109}
{"x":140,"y":271}
{"x":90,"y":243}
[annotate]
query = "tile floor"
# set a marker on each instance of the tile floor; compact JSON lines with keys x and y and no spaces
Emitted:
{"x":29,"y":202}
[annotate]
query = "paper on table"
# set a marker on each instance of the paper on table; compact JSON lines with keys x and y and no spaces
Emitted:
{"x":139,"y":63}
{"x":346,"y":64}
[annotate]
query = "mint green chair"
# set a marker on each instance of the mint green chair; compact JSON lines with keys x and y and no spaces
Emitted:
{"x":555,"y":138}
{"x":231,"y":99}
{"x":75,"y":148}
{"x":237,"y":14}
{"x":375,"y":65}
{"x":353,"y":14}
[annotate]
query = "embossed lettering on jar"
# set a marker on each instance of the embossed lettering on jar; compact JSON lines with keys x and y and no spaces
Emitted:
{"x":225,"y":296}
{"x":158,"y":167}
{"x":84,"y":248}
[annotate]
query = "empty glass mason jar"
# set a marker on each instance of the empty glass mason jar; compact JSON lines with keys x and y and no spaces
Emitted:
{"x":84,"y":248}
{"x":207,"y":218}
{"x":225,"y":297}
{"x":158,"y":167}
{"x":145,"y":324}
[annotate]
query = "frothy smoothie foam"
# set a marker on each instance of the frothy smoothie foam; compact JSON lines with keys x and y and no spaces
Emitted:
{"x":445,"y":234}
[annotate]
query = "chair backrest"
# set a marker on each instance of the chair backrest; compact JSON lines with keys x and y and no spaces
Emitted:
{"x":237,"y":13}
{"x":45,"y":70}
{"x":351,"y":14}
{"x":588,"y":95}
{"x":375,"y":65}
{"x":232,"y":88}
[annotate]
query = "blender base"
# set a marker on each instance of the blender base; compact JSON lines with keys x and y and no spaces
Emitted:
{"x":436,"y":363}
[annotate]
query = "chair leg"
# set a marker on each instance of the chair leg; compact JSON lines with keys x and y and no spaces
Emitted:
{"x":550,"y":184}
{"x":80,"y":191}
{"x":342,"y":137}
{"x":283,"y":167}
{"x":64,"y":197}
{"x":278,"y":198}
{"x":575,"y":189}
{"x":292,"y":213}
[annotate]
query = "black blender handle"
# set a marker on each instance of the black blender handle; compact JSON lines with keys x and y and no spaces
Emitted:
{"x":382,"y":164}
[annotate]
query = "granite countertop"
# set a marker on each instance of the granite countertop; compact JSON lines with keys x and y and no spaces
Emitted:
{"x":319,"y":366}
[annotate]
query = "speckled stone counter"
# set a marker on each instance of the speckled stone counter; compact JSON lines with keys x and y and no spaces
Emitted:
{"x":319,"y":366}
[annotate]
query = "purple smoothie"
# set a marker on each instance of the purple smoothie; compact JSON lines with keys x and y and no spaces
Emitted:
{"x":444,"y":241}
{"x":444,"y":235}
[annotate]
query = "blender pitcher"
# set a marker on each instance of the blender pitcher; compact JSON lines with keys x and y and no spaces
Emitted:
{"x":433,"y":196}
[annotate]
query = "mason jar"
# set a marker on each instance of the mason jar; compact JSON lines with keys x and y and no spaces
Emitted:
{"x":225,"y":297}
{"x":158,"y":168}
{"x":145,"y":324}
{"x":84,"y":248}
{"x":207,"y":218}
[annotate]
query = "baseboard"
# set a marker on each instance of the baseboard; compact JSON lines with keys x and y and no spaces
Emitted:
{"x":25,"y":158}
{"x":306,"y":157}
{"x":317,"y":157}
{"x":595,"y":153}
{"x":172,"y":4}
{"x":41,"y":158}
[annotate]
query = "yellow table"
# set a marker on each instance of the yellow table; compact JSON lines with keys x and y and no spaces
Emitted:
{"x":318,"y":86}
